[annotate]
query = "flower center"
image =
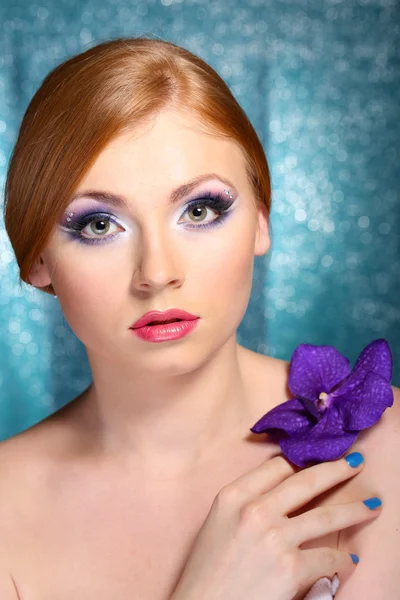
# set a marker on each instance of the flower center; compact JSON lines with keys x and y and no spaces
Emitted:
{"x":323,"y":402}
{"x":316,"y":407}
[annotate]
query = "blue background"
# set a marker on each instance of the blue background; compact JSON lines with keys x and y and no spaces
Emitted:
{"x":320,"y":83}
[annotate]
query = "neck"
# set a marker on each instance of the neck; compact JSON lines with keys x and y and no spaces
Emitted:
{"x":172,"y":418}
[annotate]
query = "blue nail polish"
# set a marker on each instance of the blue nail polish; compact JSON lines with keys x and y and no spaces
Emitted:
{"x":354,"y":558}
{"x":354,"y":459}
{"x":372,"y":503}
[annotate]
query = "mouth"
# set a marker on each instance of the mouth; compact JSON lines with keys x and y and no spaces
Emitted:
{"x":156,"y":317}
{"x":167,"y":330}
{"x":163,"y":322}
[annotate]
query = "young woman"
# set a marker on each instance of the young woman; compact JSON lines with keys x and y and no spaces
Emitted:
{"x":138,"y":186}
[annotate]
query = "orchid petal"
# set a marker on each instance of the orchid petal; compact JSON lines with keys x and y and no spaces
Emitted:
{"x":376,"y":357}
{"x":325,"y":442}
{"x":316,"y":369}
{"x":366,"y":402}
{"x":289,"y":416}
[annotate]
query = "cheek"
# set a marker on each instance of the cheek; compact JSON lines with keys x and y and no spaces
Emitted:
{"x":225,"y":268}
{"x":230,"y":271}
{"x":86,"y":294}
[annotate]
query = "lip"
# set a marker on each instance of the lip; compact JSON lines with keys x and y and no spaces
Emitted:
{"x":156,"y":315}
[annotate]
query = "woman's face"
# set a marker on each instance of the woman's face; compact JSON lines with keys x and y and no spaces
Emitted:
{"x":151,"y":254}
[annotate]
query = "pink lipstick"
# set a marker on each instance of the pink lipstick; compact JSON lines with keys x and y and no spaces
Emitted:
{"x":156,"y":326}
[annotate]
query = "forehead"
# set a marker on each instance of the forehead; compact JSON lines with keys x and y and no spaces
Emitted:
{"x":166,"y":151}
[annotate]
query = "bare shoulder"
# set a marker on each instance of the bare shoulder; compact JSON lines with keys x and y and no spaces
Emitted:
{"x":8,"y":516}
{"x":19,"y":467}
{"x":30,"y":463}
{"x":19,"y":476}
{"x":27,"y":461}
{"x":377,"y":575}
{"x":267,"y":379}
{"x":380,"y":446}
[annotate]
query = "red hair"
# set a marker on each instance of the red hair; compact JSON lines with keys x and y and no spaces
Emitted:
{"x":85,"y":102}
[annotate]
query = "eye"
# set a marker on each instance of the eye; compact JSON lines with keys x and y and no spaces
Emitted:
{"x":91,"y":228}
{"x":99,"y":226}
{"x":199,"y":212}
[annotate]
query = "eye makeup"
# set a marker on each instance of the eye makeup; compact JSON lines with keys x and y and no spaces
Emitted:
{"x":74,"y":222}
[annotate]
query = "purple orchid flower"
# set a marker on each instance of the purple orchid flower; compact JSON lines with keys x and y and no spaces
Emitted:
{"x":332,"y":403}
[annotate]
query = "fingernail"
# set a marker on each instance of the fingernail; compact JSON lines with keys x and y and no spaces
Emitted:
{"x":354,"y":459}
{"x":354,"y":558}
{"x":373,"y":503}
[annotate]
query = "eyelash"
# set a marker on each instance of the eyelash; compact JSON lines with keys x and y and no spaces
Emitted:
{"x":217,"y":202}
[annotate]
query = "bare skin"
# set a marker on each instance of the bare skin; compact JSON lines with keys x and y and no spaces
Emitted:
{"x":104,"y":498}
{"x":82,"y":524}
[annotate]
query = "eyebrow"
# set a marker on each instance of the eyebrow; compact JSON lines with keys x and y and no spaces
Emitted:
{"x":176,"y":195}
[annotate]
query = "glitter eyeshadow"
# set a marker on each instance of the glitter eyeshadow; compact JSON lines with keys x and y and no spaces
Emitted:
{"x":74,"y":222}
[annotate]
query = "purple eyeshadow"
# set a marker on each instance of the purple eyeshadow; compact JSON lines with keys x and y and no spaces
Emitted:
{"x":73,"y":224}
{"x":80,"y":213}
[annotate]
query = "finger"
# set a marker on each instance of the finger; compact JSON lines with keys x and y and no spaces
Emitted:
{"x":311,"y":482}
{"x":325,"y":562}
{"x":327,"y":519}
{"x":263,"y":478}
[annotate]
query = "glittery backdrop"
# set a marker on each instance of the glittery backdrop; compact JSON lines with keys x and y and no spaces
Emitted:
{"x":320,"y":82}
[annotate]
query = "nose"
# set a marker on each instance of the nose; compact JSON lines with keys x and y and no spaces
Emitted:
{"x":158,"y":264}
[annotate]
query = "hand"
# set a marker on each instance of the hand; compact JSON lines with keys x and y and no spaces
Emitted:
{"x":249,"y":547}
